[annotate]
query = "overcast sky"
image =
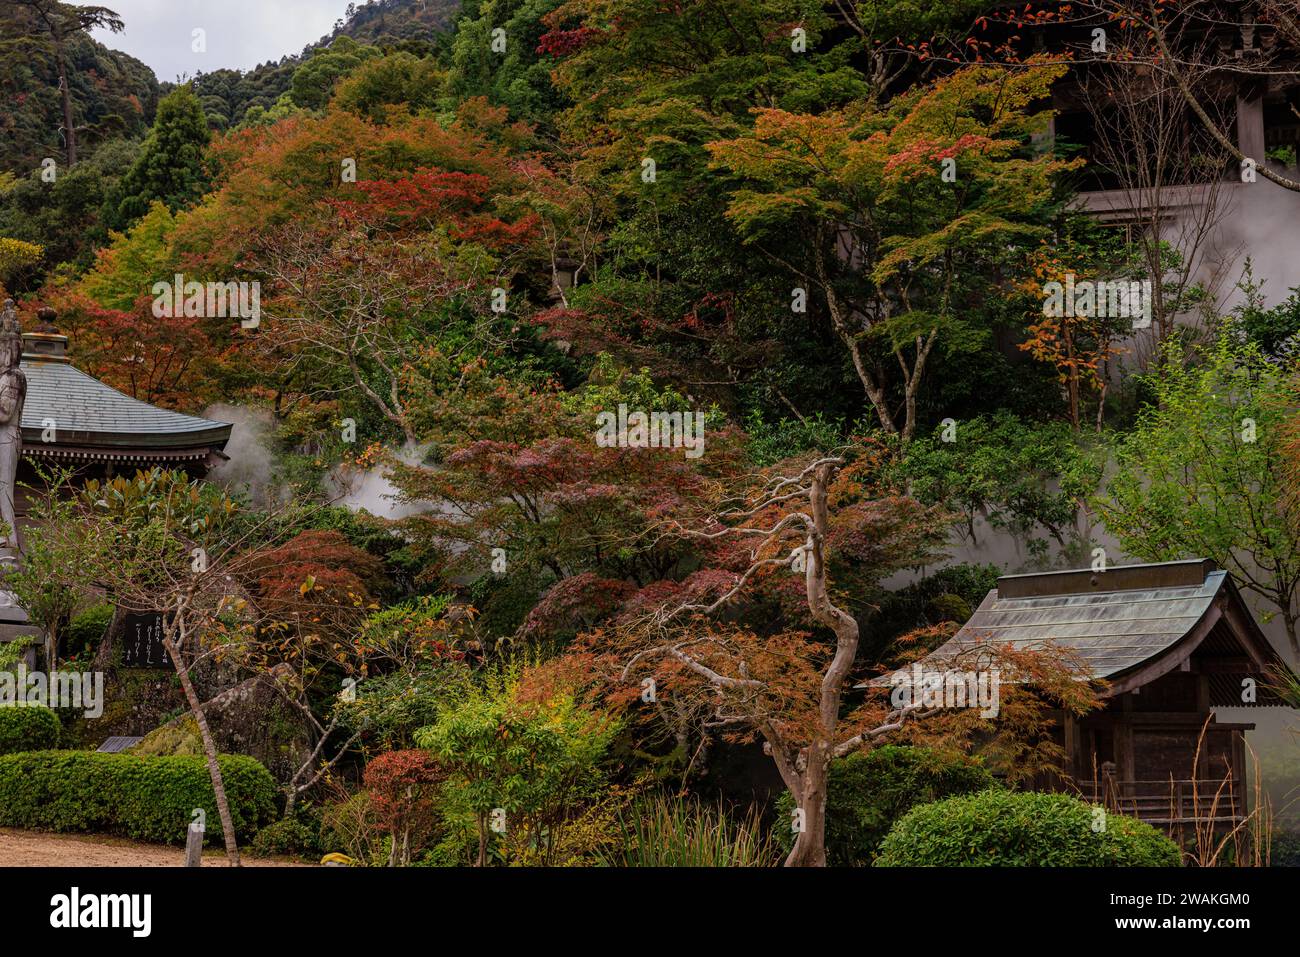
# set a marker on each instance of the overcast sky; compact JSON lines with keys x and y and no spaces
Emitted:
{"x":239,"y":33}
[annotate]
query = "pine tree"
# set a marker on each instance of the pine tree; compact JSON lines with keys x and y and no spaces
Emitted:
{"x":170,"y":167}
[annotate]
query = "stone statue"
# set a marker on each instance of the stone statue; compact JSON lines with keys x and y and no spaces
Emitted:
{"x":13,"y":393}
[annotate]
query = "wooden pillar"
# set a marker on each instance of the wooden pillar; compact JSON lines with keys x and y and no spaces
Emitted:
{"x":1073,"y":751}
{"x":194,"y":844}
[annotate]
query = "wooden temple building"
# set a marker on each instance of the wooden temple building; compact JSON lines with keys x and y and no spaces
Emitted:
{"x":1169,"y":643}
{"x":98,"y":427}
{"x":72,"y":420}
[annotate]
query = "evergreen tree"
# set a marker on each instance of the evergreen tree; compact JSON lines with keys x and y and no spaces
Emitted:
{"x":170,"y":167}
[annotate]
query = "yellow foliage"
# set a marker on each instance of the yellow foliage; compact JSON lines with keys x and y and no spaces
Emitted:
{"x":15,"y":254}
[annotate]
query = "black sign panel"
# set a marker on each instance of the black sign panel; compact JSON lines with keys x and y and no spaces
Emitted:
{"x":142,"y":645}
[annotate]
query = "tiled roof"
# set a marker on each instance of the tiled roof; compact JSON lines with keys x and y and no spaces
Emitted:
{"x":1110,"y":631}
{"x":1113,"y":621}
{"x":86,"y":412}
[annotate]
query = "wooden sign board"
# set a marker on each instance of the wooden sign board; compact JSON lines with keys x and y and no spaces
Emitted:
{"x":142,"y":645}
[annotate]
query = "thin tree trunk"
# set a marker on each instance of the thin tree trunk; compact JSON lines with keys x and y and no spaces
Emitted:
{"x":209,"y":751}
{"x":810,"y":846}
{"x":482,"y":840}
{"x":1289,"y":619}
{"x":69,"y":130}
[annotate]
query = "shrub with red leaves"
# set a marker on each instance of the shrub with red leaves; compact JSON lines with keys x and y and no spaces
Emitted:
{"x":402,"y":786}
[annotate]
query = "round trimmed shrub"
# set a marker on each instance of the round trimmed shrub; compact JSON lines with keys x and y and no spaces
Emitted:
{"x":286,"y":837}
{"x":26,"y":727}
{"x":1022,"y":829}
{"x":869,"y":791}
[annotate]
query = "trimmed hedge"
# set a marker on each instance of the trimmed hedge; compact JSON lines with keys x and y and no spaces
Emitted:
{"x":868,"y":791}
{"x":1022,"y":829}
{"x":144,"y":798}
{"x":28,"y":727}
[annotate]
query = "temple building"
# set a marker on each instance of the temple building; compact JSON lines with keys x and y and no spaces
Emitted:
{"x":72,"y":420}
{"x":1169,"y":643}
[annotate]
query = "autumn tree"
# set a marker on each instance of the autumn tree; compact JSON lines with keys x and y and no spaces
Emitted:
{"x":783,"y":684}
{"x":904,"y":212}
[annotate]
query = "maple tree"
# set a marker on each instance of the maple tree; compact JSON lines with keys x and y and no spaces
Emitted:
{"x":893,"y":245}
{"x":784,"y":684}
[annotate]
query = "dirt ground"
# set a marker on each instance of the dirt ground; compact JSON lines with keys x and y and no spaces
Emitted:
{"x":31,"y":849}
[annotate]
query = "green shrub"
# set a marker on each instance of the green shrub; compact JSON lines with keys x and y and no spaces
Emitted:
{"x":86,"y":629}
{"x":868,"y":792}
{"x":287,"y":836}
{"x":27,"y":728}
{"x":1285,"y":849}
{"x":144,"y":798}
{"x":1022,"y":829}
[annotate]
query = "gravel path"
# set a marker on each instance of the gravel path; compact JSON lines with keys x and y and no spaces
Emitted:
{"x":32,"y":849}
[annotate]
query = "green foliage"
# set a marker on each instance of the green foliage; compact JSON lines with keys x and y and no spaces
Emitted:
{"x":143,"y":798}
{"x":112,"y":94}
{"x":770,"y":442}
{"x":393,"y":707}
{"x":1204,"y":473}
{"x":1018,"y":475}
{"x":1274,"y":330}
{"x":520,"y":77}
{"x":66,"y":216}
{"x":397,"y":79}
{"x":1285,"y":849}
{"x":16,"y":256}
{"x":609,"y":385}
{"x":535,"y":760}
{"x":1022,"y":829}
{"x":313,"y":82}
{"x":868,"y":792}
{"x":126,"y":270}
{"x":39,"y":582}
{"x":86,"y":629}
{"x":170,"y":167}
{"x":28,"y":728}
{"x":670,"y":831}
{"x":287,"y":837}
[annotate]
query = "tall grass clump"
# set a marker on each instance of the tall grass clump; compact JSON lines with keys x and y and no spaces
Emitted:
{"x":670,"y":831}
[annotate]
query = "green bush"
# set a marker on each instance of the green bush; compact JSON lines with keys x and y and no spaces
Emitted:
{"x":28,"y":728}
{"x":1285,"y":849}
{"x":144,"y":798}
{"x":1022,"y":829}
{"x":287,"y":836}
{"x":86,"y":629}
{"x":868,"y":792}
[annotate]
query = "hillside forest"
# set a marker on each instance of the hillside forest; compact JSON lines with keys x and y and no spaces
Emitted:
{"x":626,"y":384}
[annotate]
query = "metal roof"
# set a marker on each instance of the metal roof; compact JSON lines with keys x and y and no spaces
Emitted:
{"x":86,"y":412}
{"x":1112,"y":627}
{"x":1116,"y":621}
